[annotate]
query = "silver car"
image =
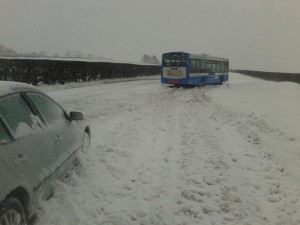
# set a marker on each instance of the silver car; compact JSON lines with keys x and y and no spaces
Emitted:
{"x":39,"y":142}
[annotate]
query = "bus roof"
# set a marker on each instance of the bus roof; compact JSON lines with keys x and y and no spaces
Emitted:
{"x":202,"y":56}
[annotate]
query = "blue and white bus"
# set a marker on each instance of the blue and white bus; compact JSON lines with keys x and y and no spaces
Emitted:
{"x":186,"y":69}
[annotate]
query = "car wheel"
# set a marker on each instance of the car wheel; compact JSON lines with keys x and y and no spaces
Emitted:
{"x":85,"y":145}
{"x":12,"y":212}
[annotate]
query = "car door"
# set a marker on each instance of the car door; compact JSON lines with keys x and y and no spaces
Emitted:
{"x":7,"y":174}
{"x":65,"y":132}
{"x":29,"y":153}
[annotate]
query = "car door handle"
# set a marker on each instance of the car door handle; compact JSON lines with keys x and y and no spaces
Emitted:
{"x":20,"y":158}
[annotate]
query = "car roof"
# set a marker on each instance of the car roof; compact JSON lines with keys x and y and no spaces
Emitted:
{"x":9,"y":87}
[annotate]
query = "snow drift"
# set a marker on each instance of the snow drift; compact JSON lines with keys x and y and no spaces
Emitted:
{"x":211,"y":155}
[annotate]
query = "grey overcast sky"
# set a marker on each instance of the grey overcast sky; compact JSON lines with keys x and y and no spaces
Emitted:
{"x":253,"y":34}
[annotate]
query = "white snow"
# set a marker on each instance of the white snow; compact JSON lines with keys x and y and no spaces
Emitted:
{"x":23,"y":129}
{"x":211,"y":155}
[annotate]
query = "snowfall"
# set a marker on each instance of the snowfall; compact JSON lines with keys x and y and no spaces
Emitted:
{"x":222,"y":154}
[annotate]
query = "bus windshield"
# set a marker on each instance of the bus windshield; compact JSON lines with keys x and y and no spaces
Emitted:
{"x":174,"y":59}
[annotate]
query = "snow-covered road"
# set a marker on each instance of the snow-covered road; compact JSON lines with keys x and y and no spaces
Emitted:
{"x":162,"y":156}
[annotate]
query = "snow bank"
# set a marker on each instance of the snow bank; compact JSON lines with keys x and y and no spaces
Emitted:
{"x":214,"y":155}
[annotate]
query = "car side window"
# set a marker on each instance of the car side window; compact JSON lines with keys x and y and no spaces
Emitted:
{"x":4,"y":137}
{"x":18,"y":116}
{"x":52,"y":113}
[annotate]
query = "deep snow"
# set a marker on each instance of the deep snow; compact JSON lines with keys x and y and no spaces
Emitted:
{"x":211,"y":155}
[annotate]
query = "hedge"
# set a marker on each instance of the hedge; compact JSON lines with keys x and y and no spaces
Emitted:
{"x":51,"y":71}
{"x":273,"y":76}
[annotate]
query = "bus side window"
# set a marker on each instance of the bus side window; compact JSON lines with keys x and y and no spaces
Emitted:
{"x":213,"y":67}
{"x":218,"y":69}
{"x":193,"y":66}
{"x":226,"y":66}
{"x":222,"y":67}
{"x":208,"y":66}
{"x":198,"y":66}
{"x":203,"y":66}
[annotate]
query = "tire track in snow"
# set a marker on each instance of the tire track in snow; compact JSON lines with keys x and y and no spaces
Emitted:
{"x":168,"y":156}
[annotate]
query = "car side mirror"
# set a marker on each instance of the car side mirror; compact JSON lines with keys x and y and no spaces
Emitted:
{"x":76,"y":116}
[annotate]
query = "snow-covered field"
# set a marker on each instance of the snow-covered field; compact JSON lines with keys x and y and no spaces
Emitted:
{"x":212,"y":155}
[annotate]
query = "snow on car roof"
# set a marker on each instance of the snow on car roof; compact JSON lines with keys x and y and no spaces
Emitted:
{"x":9,"y":87}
